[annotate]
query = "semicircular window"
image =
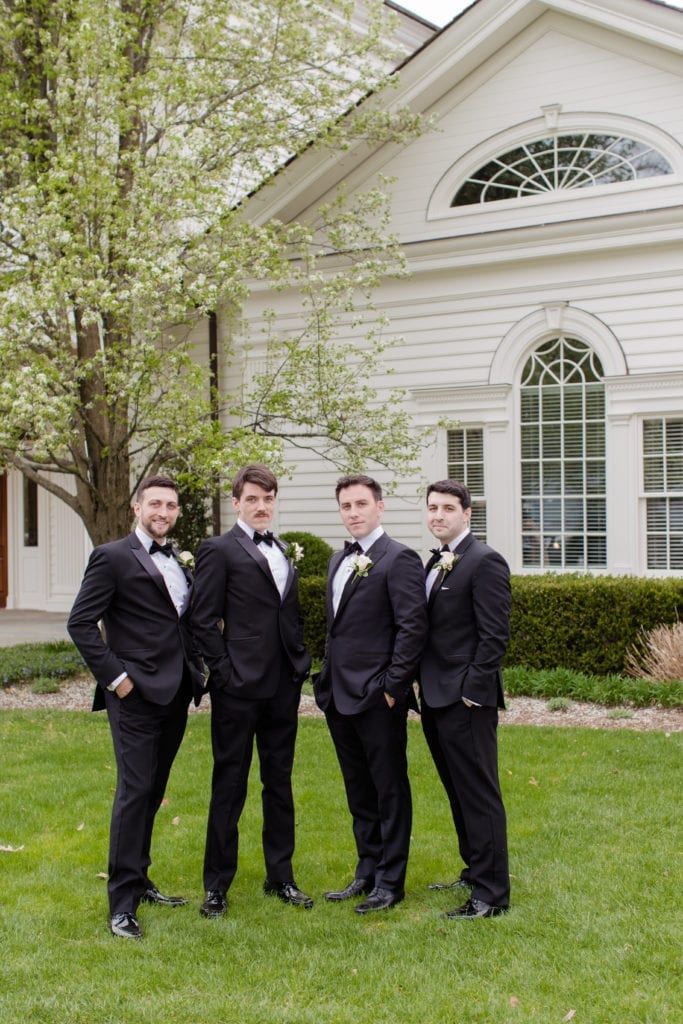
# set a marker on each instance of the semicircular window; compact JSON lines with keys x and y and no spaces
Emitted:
{"x":558,"y":162}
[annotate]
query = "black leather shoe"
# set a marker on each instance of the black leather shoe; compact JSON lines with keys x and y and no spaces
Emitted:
{"x":357,"y":887}
{"x":154,"y":896}
{"x":214,"y":905}
{"x":126,"y":926}
{"x":379,"y":899}
{"x":476,"y":908}
{"x":459,"y":883}
{"x":288,"y":893}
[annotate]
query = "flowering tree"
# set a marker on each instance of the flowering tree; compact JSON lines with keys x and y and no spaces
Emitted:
{"x":131,"y":131}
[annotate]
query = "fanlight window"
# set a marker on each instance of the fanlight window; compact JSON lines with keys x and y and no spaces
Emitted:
{"x":577,"y":161}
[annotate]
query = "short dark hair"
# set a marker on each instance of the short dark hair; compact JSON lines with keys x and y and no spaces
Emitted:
{"x":358,"y":478}
{"x":156,"y":481}
{"x":256,"y":473}
{"x":453,"y":487}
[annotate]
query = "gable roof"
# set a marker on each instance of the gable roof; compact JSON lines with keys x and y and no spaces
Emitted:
{"x":463,"y":45}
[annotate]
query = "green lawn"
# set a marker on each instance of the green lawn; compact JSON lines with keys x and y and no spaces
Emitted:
{"x":592,"y":935}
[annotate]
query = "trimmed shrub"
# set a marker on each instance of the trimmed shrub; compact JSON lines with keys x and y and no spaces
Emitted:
{"x":312,"y":598}
{"x":317,"y":552}
{"x":586,"y":623}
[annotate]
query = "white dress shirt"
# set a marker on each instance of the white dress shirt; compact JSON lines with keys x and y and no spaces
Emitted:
{"x":346,"y":568}
{"x":174,"y":578}
{"x":274,"y":555}
{"x":434,"y":572}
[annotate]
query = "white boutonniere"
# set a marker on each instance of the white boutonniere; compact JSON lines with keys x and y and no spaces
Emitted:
{"x":186,"y":559}
{"x":361,"y":565}
{"x":447,"y":561}
{"x":294,"y":552}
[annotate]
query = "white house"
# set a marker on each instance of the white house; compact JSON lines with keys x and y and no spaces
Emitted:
{"x":542,"y":222}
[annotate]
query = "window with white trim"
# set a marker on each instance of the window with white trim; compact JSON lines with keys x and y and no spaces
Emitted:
{"x":465,"y":456}
{"x":557,"y":162}
{"x":564,"y":504}
{"x":663,"y":489}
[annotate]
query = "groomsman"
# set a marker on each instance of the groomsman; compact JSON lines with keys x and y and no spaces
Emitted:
{"x":468,"y":588}
{"x":376,"y":625}
{"x":247,"y":620}
{"x":147,"y":671}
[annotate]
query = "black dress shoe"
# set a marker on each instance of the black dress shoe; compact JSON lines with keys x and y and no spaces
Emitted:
{"x":357,"y":887}
{"x":288,"y":893}
{"x":154,"y":896}
{"x":459,"y":883}
{"x":214,"y":905}
{"x":476,"y":908}
{"x":126,"y":926}
{"x":379,"y":899}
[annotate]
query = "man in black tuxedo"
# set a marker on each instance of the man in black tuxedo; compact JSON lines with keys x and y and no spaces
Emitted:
{"x":468,"y":588}
{"x":247,"y":620}
{"x":147,"y":671}
{"x":376,"y":626}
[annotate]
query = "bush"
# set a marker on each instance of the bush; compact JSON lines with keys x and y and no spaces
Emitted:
{"x":312,"y":598}
{"x":586,"y":623}
{"x":317,"y":553}
{"x":658,"y":654}
{"x":25,"y":662}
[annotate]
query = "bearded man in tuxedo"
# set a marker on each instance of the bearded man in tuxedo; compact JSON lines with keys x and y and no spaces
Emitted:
{"x":468,"y":588}
{"x":246,"y":616}
{"x":376,"y":627}
{"x":147,"y":671}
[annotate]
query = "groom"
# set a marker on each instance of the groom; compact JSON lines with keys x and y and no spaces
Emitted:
{"x":376,"y":628}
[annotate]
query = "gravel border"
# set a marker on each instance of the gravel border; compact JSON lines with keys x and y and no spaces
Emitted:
{"x":76,"y":695}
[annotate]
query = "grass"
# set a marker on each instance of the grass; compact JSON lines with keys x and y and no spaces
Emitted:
{"x":593,"y":820}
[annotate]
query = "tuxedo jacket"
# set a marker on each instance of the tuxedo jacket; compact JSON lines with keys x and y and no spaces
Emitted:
{"x":375,"y":639}
{"x":143,"y":634}
{"x":242,"y":625}
{"x":469,"y":629}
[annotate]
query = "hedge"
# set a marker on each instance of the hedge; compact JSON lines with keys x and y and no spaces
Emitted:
{"x":586,"y":623}
{"x":583,"y":623}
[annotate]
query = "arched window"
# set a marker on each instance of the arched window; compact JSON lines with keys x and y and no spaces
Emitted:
{"x":557,"y":162}
{"x":564,"y":516}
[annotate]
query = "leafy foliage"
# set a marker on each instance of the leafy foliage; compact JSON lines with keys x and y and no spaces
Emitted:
{"x":24,"y":662}
{"x":131,"y":133}
{"x":561,"y":684}
{"x":585,"y":623}
{"x":317,"y":552}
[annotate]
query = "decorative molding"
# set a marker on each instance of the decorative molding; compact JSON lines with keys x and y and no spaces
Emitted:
{"x":535,"y":328}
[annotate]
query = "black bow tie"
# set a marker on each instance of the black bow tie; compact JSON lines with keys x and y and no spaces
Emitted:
{"x":439,"y":551}
{"x":263,"y":538}
{"x":165,"y":549}
{"x":352,"y":547}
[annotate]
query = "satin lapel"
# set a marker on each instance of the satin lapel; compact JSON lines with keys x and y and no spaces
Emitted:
{"x":145,"y":560}
{"x":335,"y":562}
{"x":291,"y":572}
{"x":247,"y":545}
{"x":460,"y":551}
{"x":354,"y":582}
